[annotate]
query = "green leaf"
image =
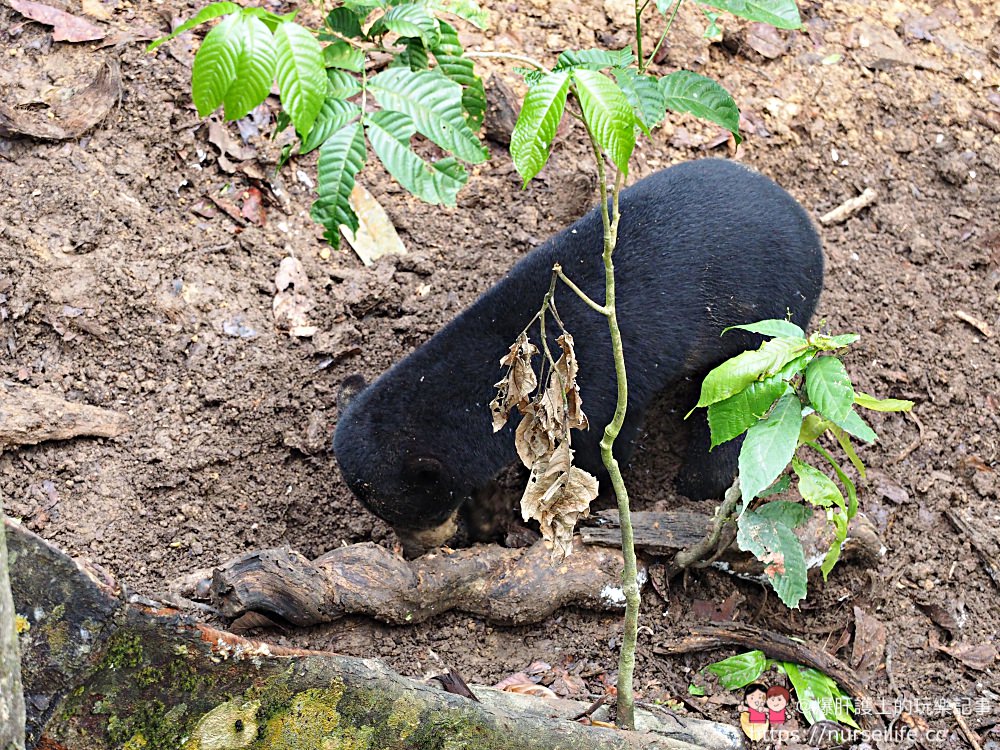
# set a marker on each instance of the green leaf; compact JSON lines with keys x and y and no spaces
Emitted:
{"x":467,"y":10}
{"x":685,"y":91}
{"x":786,"y":512}
{"x":783,"y":14}
{"x":439,"y":182}
{"x":413,"y":55}
{"x":434,"y":103}
{"x":608,"y":115}
{"x":848,"y":447}
{"x":769,"y":446}
{"x":813,"y":425}
{"x":412,"y":20}
{"x":740,"y":670}
{"x":696,"y":690}
{"x":334,"y":115}
{"x":881,"y":404}
{"x":364,"y":7}
{"x":829,"y":388}
{"x":340,"y":159}
{"x":643,"y":93}
{"x":816,"y":487}
{"x":301,"y":75}
{"x":345,"y":22}
{"x":839,"y":521}
{"x":342,"y":55}
{"x":773,"y":327}
{"x":832,"y":343}
{"x":215,"y":65}
{"x":783,"y":483}
{"x":775,"y":545}
{"x":732,"y":416}
{"x":819,"y":697}
{"x":594,"y":59}
{"x":735,"y":374}
{"x":342,"y":84}
{"x":459,"y":68}
{"x":205,"y":14}
{"x":852,"y":492}
{"x":541,"y":112}
{"x":255,"y":67}
{"x":856,"y":426}
{"x":664,"y":6}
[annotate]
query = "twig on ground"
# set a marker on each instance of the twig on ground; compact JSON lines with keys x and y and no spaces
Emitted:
{"x":966,"y":729}
{"x":848,"y":208}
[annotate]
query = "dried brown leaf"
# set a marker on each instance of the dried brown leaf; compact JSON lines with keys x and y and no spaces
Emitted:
{"x":65,"y":26}
{"x":979,"y":656}
{"x":376,"y":235}
{"x":531,"y":439}
{"x":518,"y":384}
{"x":292,"y":303}
{"x":869,"y":642}
{"x":557,"y":495}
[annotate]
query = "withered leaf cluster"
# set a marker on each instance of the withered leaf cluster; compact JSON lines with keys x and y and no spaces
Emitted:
{"x":558,"y":493}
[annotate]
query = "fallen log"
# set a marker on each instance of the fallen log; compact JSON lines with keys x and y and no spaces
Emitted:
{"x":29,"y":416}
{"x":100,"y":672}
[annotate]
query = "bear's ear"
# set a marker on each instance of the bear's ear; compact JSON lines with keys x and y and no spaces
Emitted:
{"x":423,"y":471}
{"x":350,"y":387}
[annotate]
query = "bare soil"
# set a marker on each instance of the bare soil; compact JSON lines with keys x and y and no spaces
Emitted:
{"x":124,"y":284}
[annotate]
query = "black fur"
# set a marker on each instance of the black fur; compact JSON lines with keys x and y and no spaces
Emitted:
{"x":701,"y":246}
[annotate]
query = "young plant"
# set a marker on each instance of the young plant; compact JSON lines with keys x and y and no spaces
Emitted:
{"x":429,"y":87}
{"x":819,"y":696}
{"x":785,"y":396}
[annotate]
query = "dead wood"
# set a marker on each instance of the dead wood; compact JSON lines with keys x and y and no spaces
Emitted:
{"x":505,"y":586}
{"x":991,"y":563}
{"x":100,"y":673}
{"x":775,"y":646}
{"x":663,"y":534}
{"x":11,"y":694}
{"x":28,"y":416}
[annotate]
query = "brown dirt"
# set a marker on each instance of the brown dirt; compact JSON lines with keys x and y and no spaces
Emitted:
{"x":124,"y":286}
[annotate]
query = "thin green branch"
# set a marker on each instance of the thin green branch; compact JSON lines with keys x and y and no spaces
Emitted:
{"x":686,"y":558}
{"x":557,"y":270}
{"x":666,"y":30}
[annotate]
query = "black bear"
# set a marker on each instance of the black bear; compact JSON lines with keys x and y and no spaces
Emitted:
{"x":701,"y":246}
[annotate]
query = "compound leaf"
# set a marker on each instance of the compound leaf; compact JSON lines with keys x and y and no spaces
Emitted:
{"x":414,"y":21}
{"x":301,"y":75}
{"x":342,"y":55}
{"x":340,"y":159}
{"x":536,"y":124}
{"x":643,"y":93}
{"x":607,"y":114}
{"x":685,"y":91}
{"x":216,"y":63}
{"x":389,"y":134}
{"x":333,"y":116}
{"x":434,"y":104}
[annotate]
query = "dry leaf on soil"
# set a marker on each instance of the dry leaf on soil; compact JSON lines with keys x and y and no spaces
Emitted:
{"x":65,"y":26}
{"x":869,"y":642}
{"x":376,"y":235}
{"x":292,"y":303}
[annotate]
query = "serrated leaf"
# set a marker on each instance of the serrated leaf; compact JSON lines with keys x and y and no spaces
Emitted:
{"x":775,"y":327}
{"x":345,"y":21}
{"x":643,"y":93}
{"x":342,"y":84}
{"x":301,"y":75}
{"x":342,"y":55}
{"x":255,"y":66}
{"x":205,"y":14}
{"x":816,"y":487}
{"x":608,"y":115}
{"x":829,"y":388}
{"x":740,"y":670}
{"x":732,"y":416}
{"x":769,"y":446}
{"x":856,"y":426}
{"x":467,"y":10}
{"x":214,"y":70}
{"x":453,"y":63}
{"x":735,"y":374}
{"x":594,"y":59}
{"x":881,"y":404}
{"x":775,"y":545}
{"x":434,"y":103}
{"x":340,"y":159}
{"x":783,"y":14}
{"x":333,"y":116}
{"x":389,"y":134}
{"x":702,"y":97}
{"x":412,"y":20}
{"x":786,"y":512}
{"x":541,"y":112}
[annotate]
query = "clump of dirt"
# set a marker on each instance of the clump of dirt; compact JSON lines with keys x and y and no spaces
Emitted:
{"x":138,"y":273}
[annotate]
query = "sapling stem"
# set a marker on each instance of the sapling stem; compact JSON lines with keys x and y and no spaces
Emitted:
{"x":507,"y":56}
